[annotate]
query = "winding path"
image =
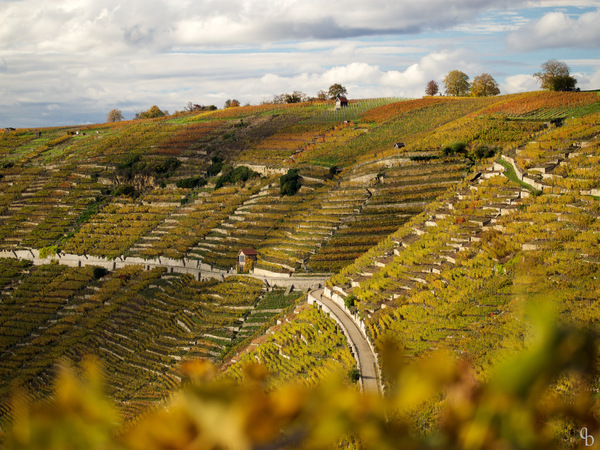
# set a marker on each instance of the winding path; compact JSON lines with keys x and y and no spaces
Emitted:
{"x":363,"y":353}
{"x":361,"y":349}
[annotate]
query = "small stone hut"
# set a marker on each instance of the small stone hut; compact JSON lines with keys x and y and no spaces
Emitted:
{"x":245,"y":254}
{"x":341,"y":102}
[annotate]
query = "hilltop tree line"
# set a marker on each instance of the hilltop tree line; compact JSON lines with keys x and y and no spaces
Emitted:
{"x":555,"y":76}
{"x":457,"y":84}
{"x":116,"y":115}
{"x":334,"y":91}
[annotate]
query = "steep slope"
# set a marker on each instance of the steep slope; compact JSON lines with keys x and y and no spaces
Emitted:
{"x":114,"y":184}
{"x":458,"y":276}
{"x":426,"y":256}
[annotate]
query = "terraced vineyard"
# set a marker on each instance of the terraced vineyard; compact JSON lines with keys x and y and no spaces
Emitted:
{"x":109,"y":190}
{"x":305,"y":348}
{"x":427,"y":242}
{"x":457,"y":275}
{"x":52,"y":312}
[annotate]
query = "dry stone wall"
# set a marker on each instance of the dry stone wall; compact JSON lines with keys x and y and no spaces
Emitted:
{"x":195,"y":268}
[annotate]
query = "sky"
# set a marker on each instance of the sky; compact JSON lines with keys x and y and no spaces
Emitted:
{"x":69,"y":62}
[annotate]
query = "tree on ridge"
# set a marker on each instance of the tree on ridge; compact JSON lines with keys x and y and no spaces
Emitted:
{"x":555,"y":76}
{"x":432,"y":88}
{"x":336,"y":90}
{"x":484,"y":85}
{"x":114,"y":115}
{"x":153,"y":112}
{"x":457,"y":83}
{"x":232,"y":103}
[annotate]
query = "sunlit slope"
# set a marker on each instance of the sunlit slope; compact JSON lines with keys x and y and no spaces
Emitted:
{"x":140,"y":324}
{"x":460,"y":275}
{"x":304,"y":348}
{"x":431,"y":258}
{"x":111,"y":190}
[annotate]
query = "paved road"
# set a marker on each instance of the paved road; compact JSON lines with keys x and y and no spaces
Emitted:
{"x":364,"y":354}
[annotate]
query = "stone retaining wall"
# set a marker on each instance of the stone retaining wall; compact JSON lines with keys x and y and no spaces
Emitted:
{"x":195,"y":268}
{"x":513,"y":163}
{"x":311,"y":299}
{"x":356,"y":319}
{"x":264,"y":170}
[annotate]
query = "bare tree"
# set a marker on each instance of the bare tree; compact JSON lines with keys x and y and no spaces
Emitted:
{"x":114,"y":115}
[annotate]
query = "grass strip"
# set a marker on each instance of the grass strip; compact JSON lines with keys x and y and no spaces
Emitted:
{"x":512,"y":176}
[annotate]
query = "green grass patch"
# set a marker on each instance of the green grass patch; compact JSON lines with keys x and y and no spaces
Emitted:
{"x":278,"y":300}
{"x":353,"y":111}
{"x":512,"y":176}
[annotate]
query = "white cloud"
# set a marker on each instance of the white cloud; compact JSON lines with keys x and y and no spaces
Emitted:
{"x":584,"y":62}
{"x":561,"y":3}
{"x":587,"y":81}
{"x":494,"y":22}
{"x":519,"y":83}
{"x":109,"y":26}
{"x":593,"y":81}
{"x":84,"y":58}
{"x":366,"y":80}
{"x":558,"y":30}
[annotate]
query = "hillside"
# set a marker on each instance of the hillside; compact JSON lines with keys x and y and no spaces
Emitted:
{"x":490,"y":203}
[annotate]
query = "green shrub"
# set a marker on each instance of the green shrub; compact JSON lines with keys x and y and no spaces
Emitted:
{"x":99,"y":272}
{"x":134,"y":165}
{"x":216,"y":166}
{"x":48,"y":252}
{"x":126,"y":190}
{"x":354,"y":375}
{"x":350,"y":301}
{"x":290,"y":183}
{"x":333,"y":171}
{"x":423,"y":157}
{"x":167,"y":166}
{"x":237,"y":175}
{"x":454,"y":149}
{"x":191,"y":183}
{"x":484,"y":151}
{"x":131,"y":161}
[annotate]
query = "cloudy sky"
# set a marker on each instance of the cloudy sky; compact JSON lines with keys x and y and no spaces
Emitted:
{"x":71,"y":61}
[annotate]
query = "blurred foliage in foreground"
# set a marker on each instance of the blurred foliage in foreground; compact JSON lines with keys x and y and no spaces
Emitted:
{"x":539,"y":398}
